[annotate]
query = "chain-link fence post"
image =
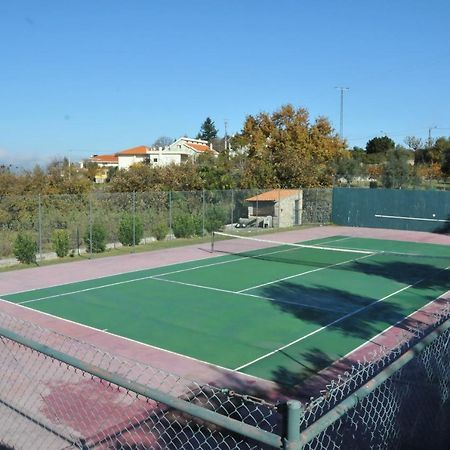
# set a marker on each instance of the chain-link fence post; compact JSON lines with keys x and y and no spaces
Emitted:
{"x":203,"y":212}
{"x":40,"y":226}
{"x":170,"y":215}
{"x":134,"y":219}
{"x":279,"y":209}
{"x":232,"y":208}
{"x":293,"y":415}
{"x":90,"y":226}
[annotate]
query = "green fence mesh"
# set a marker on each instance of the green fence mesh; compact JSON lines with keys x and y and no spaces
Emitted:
{"x":150,"y":216}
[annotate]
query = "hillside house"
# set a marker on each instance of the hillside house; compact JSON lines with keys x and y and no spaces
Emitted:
{"x":179,"y":152}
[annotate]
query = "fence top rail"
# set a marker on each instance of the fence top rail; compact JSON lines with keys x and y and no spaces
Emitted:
{"x":233,"y":425}
{"x":339,"y":410}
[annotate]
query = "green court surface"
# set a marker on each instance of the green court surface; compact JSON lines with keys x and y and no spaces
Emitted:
{"x":280,"y":313}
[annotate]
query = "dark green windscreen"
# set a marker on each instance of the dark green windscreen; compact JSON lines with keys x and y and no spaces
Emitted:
{"x":392,"y":208}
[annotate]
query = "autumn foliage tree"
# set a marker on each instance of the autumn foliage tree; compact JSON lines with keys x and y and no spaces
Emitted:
{"x":286,"y":150}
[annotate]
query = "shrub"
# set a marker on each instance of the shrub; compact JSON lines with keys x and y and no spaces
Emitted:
{"x":160,"y":231}
{"x":25,"y":248}
{"x":126,"y":234}
{"x":215,"y":218}
{"x":61,"y":243}
{"x":98,"y":238}
{"x":186,"y":225}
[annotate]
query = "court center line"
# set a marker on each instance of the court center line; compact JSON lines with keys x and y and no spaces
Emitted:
{"x":305,"y":273}
{"x":118,"y":283}
{"x":260,"y":297}
{"x":334,"y":322}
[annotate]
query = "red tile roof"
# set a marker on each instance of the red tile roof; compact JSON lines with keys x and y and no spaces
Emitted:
{"x":104,"y":159}
{"x":198,"y":147}
{"x":274,"y":195}
{"x":141,"y":150}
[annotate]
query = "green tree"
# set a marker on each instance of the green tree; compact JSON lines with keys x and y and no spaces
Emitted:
{"x":216,"y":172}
{"x":185,"y":225}
{"x":441,"y":145}
{"x":61,"y":243}
{"x":98,"y":242}
{"x":347,"y":169}
{"x":160,"y":230}
{"x":379,"y":145}
{"x":131,"y":230}
{"x":445,"y":166}
{"x":208,"y":131}
{"x":25,"y":248}
{"x":396,"y":171}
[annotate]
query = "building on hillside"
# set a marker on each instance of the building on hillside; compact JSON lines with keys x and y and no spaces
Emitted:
{"x":276,"y":208}
{"x":191,"y":148}
{"x":135,"y":155}
{"x":179,"y":152}
{"x":104,"y":164}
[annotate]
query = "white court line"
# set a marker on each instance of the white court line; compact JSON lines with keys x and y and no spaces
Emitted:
{"x":334,"y":322}
{"x":260,"y":297}
{"x":372,"y":339}
{"x":118,"y":283}
{"x":305,"y":273}
{"x":424,"y":219}
{"x":227,"y":369}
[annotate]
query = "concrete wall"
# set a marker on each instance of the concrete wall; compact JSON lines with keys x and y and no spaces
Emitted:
{"x":285,"y":212}
{"x":126,"y":161}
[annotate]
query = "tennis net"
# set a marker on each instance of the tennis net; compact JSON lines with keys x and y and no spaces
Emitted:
{"x":326,"y":251}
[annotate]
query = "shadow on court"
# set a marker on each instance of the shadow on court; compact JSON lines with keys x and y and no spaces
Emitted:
{"x":349,"y":320}
{"x":355,"y":316}
{"x":427,"y":276}
{"x":445,"y":228}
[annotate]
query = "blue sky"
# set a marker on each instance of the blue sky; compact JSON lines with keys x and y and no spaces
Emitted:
{"x":99,"y":76}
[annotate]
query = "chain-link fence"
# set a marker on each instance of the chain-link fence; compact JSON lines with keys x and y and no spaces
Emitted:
{"x":97,"y":221}
{"x":58,"y":392}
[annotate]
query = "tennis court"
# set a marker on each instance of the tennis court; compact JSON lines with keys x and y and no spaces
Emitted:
{"x":279,"y":312}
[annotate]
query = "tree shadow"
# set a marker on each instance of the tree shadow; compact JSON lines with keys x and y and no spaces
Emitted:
{"x":425,"y":275}
{"x":347,"y":314}
{"x":351,"y":314}
{"x":444,"y":228}
{"x":402,"y":267}
{"x":292,"y":383}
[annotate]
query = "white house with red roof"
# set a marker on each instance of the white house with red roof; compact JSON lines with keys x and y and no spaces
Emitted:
{"x":179,"y":152}
{"x":135,"y":155}
{"x":191,"y":147}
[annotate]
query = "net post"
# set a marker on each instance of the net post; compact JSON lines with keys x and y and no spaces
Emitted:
{"x":212,"y":241}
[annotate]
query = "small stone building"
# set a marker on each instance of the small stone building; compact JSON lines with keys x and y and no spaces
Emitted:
{"x":277,"y":208}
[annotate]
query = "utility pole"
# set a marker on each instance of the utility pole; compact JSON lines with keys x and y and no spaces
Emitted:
{"x":69,"y":164}
{"x":429,"y":136}
{"x":341,"y":125}
{"x":226,"y":135}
